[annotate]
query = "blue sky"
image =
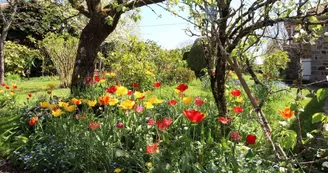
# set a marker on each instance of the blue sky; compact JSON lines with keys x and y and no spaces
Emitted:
{"x":167,"y":30}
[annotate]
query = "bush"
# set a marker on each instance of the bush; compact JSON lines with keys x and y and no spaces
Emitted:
{"x":62,"y":50}
{"x":195,"y":58}
{"x":180,"y":74}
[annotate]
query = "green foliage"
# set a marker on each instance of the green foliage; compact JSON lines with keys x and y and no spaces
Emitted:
{"x":62,"y":51}
{"x":133,"y":59}
{"x":288,"y":139}
{"x":195,"y":58}
{"x":19,"y":58}
{"x":322,"y":93}
{"x":275,"y":61}
{"x":318,"y":117}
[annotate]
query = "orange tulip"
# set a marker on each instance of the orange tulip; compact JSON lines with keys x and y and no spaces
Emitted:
{"x":286,"y":113}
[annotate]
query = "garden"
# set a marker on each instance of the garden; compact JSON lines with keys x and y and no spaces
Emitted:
{"x":81,"y":92}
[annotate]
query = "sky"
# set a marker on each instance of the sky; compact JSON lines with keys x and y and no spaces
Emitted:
{"x":167,"y":30}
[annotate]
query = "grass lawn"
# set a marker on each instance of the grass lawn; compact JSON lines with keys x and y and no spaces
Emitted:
{"x":35,"y":86}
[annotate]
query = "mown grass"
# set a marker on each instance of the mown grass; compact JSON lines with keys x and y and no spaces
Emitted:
{"x":35,"y":86}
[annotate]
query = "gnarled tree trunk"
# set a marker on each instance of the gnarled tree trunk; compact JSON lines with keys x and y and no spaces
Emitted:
{"x":95,"y":32}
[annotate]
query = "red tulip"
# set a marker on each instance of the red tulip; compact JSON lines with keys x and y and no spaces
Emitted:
{"x":157,"y":84}
{"x":164,"y":124}
{"x":88,"y":80}
{"x":97,"y":78}
{"x":194,"y":115}
{"x":135,"y":85}
{"x":30,"y":95}
{"x":111,"y":89}
{"x":198,"y":101}
{"x":119,"y":125}
{"x":130,"y":93}
{"x":33,"y":121}
{"x":237,"y":109}
{"x":251,"y":139}
{"x":182,"y":87}
{"x":3,"y":84}
{"x":152,"y":149}
{"x":172,"y":102}
{"x":151,"y":122}
{"x":93,"y":125}
{"x":225,"y":120}
{"x":235,"y":136}
{"x":235,"y":93}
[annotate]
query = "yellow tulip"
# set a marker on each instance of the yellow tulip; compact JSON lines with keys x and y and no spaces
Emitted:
{"x":113,"y":102}
{"x":155,"y":100}
{"x":139,"y":95}
{"x":44,"y":87}
{"x":187,"y":100}
{"x":121,"y":90}
{"x":70,"y":108}
{"x":12,"y":93}
{"x":62,"y":104}
{"x":56,"y":112}
{"x":91,"y":103}
{"x":2,"y":91}
{"x":117,"y":170}
{"x":239,"y":99}
{"x":127,"y":104}
{"x":148,"y":92}
{"x":51,"y":106}
{"x":148,"y":105}
{"x":44,"y":104}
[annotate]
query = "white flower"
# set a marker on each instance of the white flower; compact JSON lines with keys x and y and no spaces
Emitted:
{"x":325,"y":127}
{"x":283,"y":123}
{"x":325,"y":164}
{"x":297,"y":35}
{"x":309,"y":135}
{"x":326,"y":34}
{"x":282,"y":169}
{"x":302,"y":31}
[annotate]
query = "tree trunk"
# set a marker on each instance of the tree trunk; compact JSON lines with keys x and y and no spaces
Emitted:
{"x":218,"y":81}
{"x":95,"y":32}
{"x":2,"y":61}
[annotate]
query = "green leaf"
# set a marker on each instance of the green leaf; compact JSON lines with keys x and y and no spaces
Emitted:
{"x":318,"y":117}
{"x":322,"y":93}
{"x":293,"y":106}
{"x":288,"y":139}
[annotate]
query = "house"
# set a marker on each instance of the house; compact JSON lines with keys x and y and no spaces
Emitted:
{"x":314,"y":57}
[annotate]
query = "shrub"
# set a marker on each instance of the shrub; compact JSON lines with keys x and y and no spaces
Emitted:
{"x":195,"y":58}
{"x":62,"y":51}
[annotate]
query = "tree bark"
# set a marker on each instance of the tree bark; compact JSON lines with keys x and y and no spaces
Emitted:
{"x":95,"y":32}
{"x":218,"y":85}
{"x":2,"y":61}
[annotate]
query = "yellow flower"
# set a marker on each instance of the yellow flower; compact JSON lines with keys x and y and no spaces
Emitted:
{"x":148,"y":105}
{"x":62,"y":104}
{"x":12,"y":93}
{"x":177,"y":91}
{"x":187,"y":100}
{"x":121,"y":90}
{"x":70,"y":108}
{"x":239,"y":99}
{"x":56,"y":112}
{"x":148,"y":92}
{"x":117,"y":170}
{"x":102,"y":80}
{"x":91,"y":103}
{"x":51,"y":106}
{"x":44,"y":87}
{"x":127,"y":104}
{"x":113,"y":102}
{"x":155,"y":100}
{"x":2,"y":91}
{"x":111,"y":74}
{"x":139,"y":95}
{"x":150,"y":72}
{"x":44,"y":104}
{"x":149,"y":164}
{"x":51,"y":86}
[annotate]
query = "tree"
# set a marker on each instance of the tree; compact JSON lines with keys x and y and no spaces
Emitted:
{"x":231,"y":31}
{"x":103,"y":19}
{"x":7,"y":19}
